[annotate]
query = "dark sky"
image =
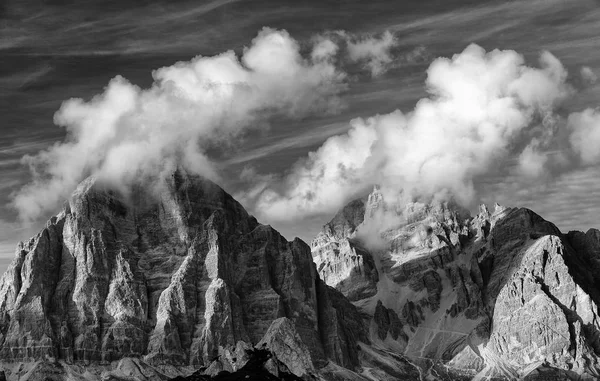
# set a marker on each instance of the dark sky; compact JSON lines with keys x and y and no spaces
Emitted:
{"x":53,"y":50}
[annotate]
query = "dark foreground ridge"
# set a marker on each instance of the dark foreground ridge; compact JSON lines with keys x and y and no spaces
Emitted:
{"x":261,"y":365}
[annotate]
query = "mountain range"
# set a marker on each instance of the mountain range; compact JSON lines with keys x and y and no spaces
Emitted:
{"x":179,"y":281}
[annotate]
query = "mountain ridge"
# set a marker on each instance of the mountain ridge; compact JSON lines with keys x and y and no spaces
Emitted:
{"x":455,"y":280}
{"x":161,"y":281}
{"x":181,"y":281}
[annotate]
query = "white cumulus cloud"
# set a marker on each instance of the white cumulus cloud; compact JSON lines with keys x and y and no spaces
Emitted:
{"x":480,"y":108}
{"x":127,"y":133}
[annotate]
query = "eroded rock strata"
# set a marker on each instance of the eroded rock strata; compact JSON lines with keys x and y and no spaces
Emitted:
{"x":502,"y":295}
{"x":181,"y":281}
{"x":183,"y":277}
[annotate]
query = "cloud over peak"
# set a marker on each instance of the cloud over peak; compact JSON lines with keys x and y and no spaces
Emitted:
{"x":484,"y":111}
{"x":480,"y":112}
{"x":128,"y":133}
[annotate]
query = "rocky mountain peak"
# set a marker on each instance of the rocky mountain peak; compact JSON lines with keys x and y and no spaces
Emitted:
{"x":477,"y":294}
{"x":390,"y":215}
{"x":176,"y":276}
{"x":345,"y":222}
{"x":179,"y":279}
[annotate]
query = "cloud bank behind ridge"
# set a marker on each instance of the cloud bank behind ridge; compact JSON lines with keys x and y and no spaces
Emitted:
{"x":484,"y":109}
{"x":127,"y":133}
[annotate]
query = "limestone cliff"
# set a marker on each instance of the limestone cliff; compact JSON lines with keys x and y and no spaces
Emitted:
{"x":179,"y":278}
{"x":502,"y":295}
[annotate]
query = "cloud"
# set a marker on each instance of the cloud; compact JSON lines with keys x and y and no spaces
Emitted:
{"x":588,"y":76}
{"x":483,"y":109}
{"x":330,"y":175}
{"x":374,"y":52}
{"x":585,"y":136}
{"x":128,"y":133}
{"x":532,"y":161}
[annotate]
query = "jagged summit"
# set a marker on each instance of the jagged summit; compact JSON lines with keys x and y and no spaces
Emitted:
{"x":347,"y":219}
{"x":499,"y":295}
{"x":370,"y":218}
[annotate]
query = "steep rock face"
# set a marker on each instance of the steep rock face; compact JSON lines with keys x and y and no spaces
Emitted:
{"x":503,"y":294}
{"x":31,"y":297}
{"x":388,"y":323}
{"x":342,"y":326}
{"x":181,"y":276}
{"x":282,"y":338}
{"x":426,"y":298}
{"x":538,"y":303}
{"x":540,"y":312}
{"x":343,"y":263}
